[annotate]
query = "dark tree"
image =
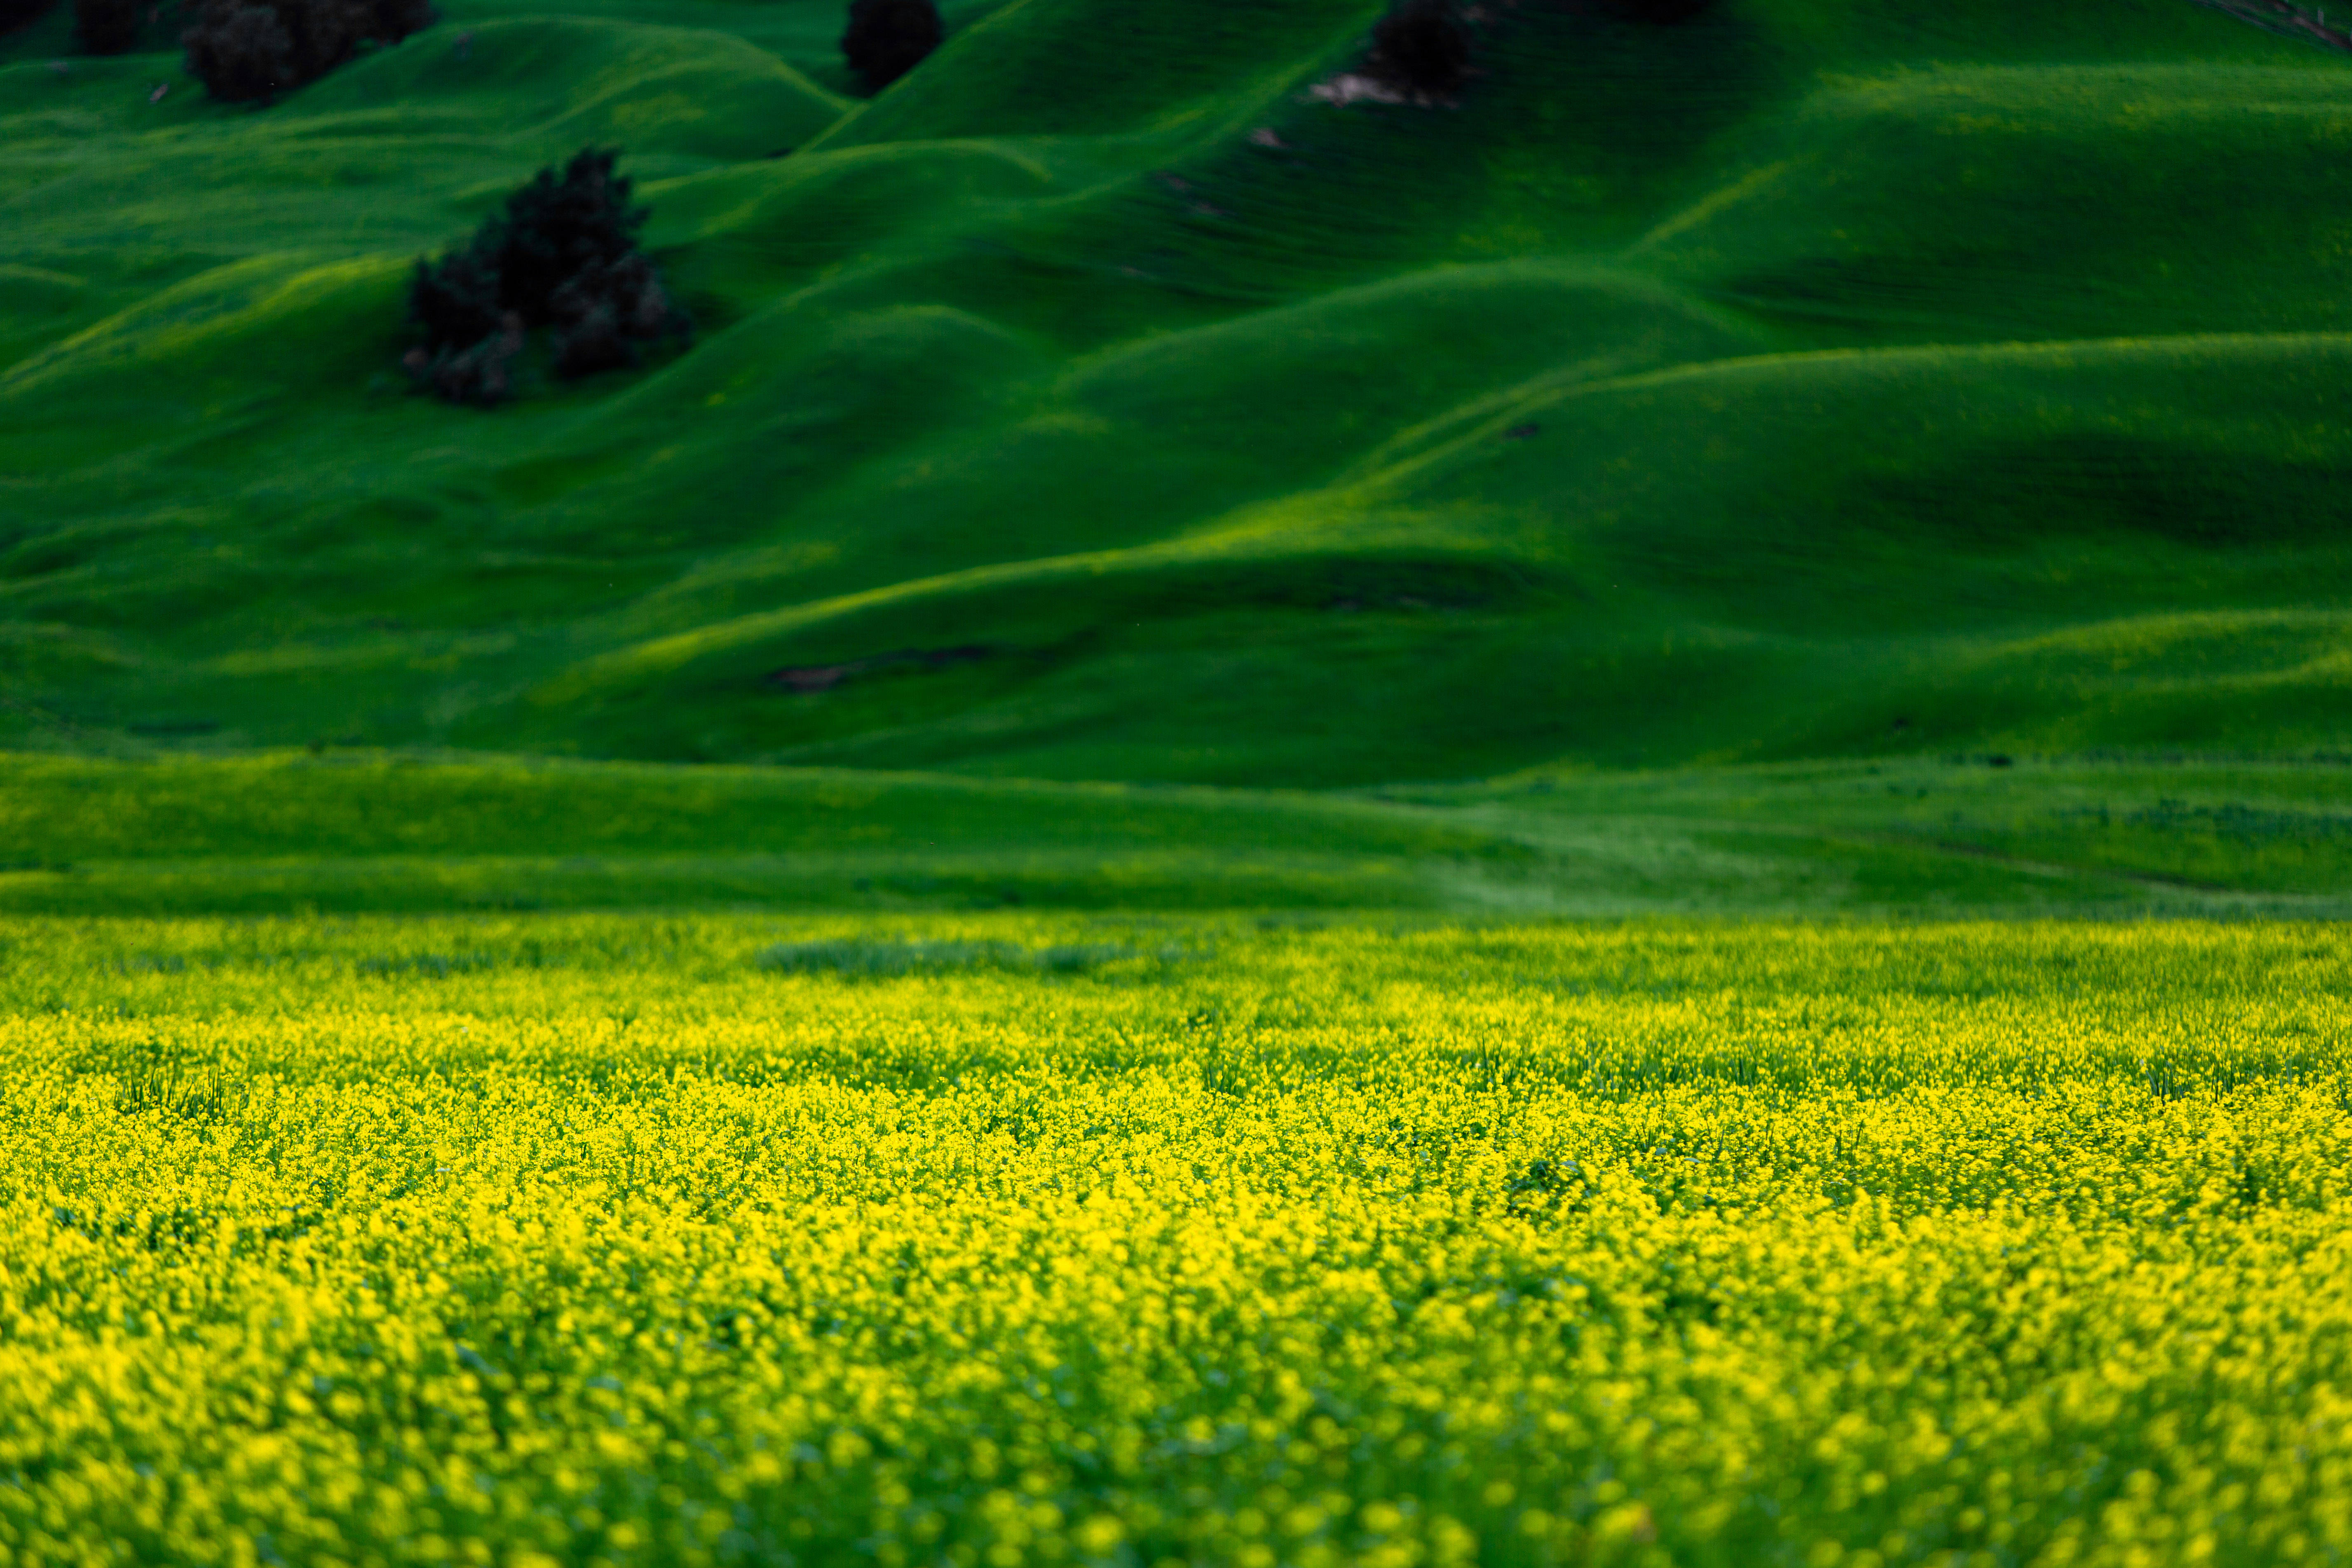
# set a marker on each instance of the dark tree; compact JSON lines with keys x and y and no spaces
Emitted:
{"x":591,"y":340}
{"x":455,"y":303}
{"x":15,"y":14}
{"x":561,"y":253}
{"x":240,"y":52}
{"x":1662,"y":11}
{"x":481,"y":375}
{"x":1423,"y":46}
{"x":554,"y":229}
{"x":323,"y":34}
{"x":106,"y":27}
{"x":396,"y":19}
{"x":605,"y":312}
{"x":888,"y":38}
{"x":247,"y":49}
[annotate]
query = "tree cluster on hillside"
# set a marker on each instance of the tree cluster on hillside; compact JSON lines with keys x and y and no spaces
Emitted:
{"x":562,"y":255}
{"x":888,"y":38}
{"x":247,"y":50}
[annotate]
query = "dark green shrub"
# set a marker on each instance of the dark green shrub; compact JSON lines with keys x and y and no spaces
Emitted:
{"x":562,"y":253}
{"x":239,"y":52}
{"x":481,"y":375}
{"x":554,"y":229}
{"x":888,"y":38}
{"x":248,"y":50}
{"x":454,"y":302}
{"x":1422,"y":46}
{"x":603,"y":312}
{"x":107,"y":26}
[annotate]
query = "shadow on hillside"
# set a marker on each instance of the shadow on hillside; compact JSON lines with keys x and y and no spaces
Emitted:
{"x":1635,"y":105}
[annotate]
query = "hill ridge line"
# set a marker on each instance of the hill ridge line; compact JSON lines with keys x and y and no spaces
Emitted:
{"x":1541,"y":390}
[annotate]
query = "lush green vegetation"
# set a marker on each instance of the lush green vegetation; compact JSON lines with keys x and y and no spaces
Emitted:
{"x":1011,"y":1240}
{"x":1813,"y":378}
{"x":282,"y":834}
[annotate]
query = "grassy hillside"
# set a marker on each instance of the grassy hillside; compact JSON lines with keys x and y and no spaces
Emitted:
{"x":1863,"y":379}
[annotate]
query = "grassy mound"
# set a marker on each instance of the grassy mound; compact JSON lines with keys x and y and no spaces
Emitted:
{"x":1100,"y":402}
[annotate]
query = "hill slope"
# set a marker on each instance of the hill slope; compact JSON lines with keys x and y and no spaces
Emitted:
{"x":1810,"y":380}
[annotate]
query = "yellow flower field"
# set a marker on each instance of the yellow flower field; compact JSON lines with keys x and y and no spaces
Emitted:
{"x":1017,"y":1240}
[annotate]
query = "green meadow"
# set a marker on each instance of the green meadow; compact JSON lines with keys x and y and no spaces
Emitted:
{"x":293,"y":834}
{"x":1858,"y":380}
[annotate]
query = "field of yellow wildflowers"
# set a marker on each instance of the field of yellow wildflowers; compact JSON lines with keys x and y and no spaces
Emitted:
{"x":1009,"y":1240}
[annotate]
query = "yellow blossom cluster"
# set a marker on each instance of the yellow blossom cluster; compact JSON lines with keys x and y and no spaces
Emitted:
{"x":598,"y":1240}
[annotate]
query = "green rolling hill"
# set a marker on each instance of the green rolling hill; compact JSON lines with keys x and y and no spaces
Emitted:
{"x":1867,"y":380}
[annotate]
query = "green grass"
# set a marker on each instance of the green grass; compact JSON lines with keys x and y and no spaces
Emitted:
{"x":1864,"y":381}
{"x":285,"y":833}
